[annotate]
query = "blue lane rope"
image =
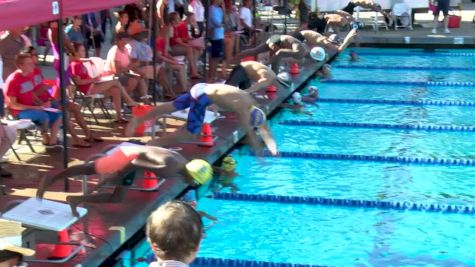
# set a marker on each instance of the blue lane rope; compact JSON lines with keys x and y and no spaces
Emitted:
{"x":400,"y":102}
{"x":397,"y":205}
{"x":438,"y":128}
{"x":426,"y":83}
{"x":419,"y":54}
{"x":372,"y":67}
{"x":389,"y":159}
{"x":217,"y":262}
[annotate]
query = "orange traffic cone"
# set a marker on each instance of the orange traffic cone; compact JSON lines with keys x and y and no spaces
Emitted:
{"x":294,"y":69}
{"x":61,"y":251}
{"x":206,"y":138}
{"x":150,"y":180}
{"x":271,"y":88}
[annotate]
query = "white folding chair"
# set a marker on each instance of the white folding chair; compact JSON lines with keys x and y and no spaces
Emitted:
{"x":401,"y":14}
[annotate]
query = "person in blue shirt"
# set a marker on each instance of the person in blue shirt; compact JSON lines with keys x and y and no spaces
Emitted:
{"x":74,"y":31}
{"x":216,"y":28}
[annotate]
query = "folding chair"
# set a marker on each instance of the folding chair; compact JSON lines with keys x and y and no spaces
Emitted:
{"x":401,"y":14}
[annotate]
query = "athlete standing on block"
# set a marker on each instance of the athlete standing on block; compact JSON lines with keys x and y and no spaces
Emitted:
{"x":282,"y":46}
{"x":313,"y":38}
{"x":198,"y":99}
{"x":249,"y":72}
{"x":121,"y":165}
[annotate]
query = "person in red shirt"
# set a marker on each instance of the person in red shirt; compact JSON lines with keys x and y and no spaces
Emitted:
{"x":170,"y":61}
{"x":20,"y":86}
{"x":89,"y":86}
{"x":181,"y":45}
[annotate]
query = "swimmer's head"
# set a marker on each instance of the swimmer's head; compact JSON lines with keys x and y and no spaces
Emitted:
{"x":258,"y":117}
{"x":284,"y":76}
{"x":313,"y":90}
{"x":199,"y":170}
{"x":334,"y":38}
{"x":318,"y":53}
{"x":297,"y":97}
{"x":228,"y":164}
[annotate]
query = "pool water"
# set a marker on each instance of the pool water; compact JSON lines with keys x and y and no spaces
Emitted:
{"x":355,"y":236}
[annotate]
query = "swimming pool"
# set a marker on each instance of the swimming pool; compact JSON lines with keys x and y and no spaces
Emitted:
{"x":336,"y":235}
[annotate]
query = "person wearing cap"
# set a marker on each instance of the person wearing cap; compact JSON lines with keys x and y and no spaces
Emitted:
{"x":11,"y":250}
{"x":313,"y":39}
{"x":325,"y":71}
{"x":225,"y":175}
{"x":174,"y":231}
{"x":312,"y":95}
{"x":281,"y":46}
{"x":251,"y":76}
{"x":198,"y":99}
{"x":297,"y":106}
{"x":120,"y":166}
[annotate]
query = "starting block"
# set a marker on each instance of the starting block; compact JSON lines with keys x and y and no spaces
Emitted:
{"x":44,"y":220}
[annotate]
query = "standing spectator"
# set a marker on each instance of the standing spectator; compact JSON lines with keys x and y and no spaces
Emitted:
{"x":196,"y":7}
{"x":11,"y":44}
{"x":94,"y":33}
{"x":216,"y":28}
{"x":53,"y":38}
{"x":19,"y":95}
{"x":134,"y":11}
{"x":7,"y":136}
{"x":162,"y":12}
{"x":304,"y":10}
{"x":180,"y":7}
{"x":231,"y":38}
{"x":74,"y":30}
{"x":123,"y":21}
{"x":105,"y":17}
{"x":174,"y":232}
{"x":442,"y":5}
{"x":118,"y":64}
{"x":245,"y":16}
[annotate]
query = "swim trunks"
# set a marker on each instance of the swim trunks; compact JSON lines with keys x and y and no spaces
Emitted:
{"x":297,"y":35}
{"x":197,"y":101}
{"x":349,"y":8}
{"x":239,"y":78}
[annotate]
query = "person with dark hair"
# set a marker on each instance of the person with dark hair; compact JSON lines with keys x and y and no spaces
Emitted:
{"x":196,"y":7}
{"x":20,"y":87}
{"x":122,"y":22}
{"x":313,"y":38}
{"x":249,"y":72}
{"x":174,"y":231}
{"x":74,"y":30}
{"x":281,"y":46}
{"x":121,"y":165}
{"x":323,"y":23}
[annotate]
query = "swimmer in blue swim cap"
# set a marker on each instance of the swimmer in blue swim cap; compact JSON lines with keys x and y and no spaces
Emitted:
{"x":200,"y":97}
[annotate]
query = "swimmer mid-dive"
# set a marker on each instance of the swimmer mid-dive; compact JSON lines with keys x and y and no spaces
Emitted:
{"x":297,"y":106}
{"x":349,"y":9}
{"x":225,"y":175}
{"x":249,"y":72}
{"x":198,"y":99}
{"x":121,"y":165}
{"x":313,"y":39}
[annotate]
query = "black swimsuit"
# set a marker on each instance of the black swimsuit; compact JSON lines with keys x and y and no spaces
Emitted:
{"x":349,"y":8}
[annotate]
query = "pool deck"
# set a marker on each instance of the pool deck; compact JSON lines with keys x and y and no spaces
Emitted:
{"x":132,"y":213}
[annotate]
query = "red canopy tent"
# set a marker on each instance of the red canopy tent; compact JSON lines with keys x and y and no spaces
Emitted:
{"x":20,"y":13}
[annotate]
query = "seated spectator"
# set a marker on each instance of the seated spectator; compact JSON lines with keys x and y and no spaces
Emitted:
{"x":90,"y":86}
{"x":141,"y":56}
{"x":42,"y":95}
{"x":74,"y":30}
{"x":170,"y":61}
{"x":118,"y":64}
{"x":181,"y":44}
{"x":174,"y":231}
{"x":19,"y":97}
{"x":123,"y":20}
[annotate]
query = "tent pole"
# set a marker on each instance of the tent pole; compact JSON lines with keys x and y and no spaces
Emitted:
{"x":206,"y":38}
{"x":64,"y":101}
{"x":153,"y":24}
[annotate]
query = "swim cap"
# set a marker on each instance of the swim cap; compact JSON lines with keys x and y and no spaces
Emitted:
{"x":318,"y":53}
{"x":189,"y":196}
{"x":258,"y":117}
{"x":273,"y":40}
{"x":284,"y":76}
{"x":197,"y":90}
{"x":334,"y":38}
{"x":312,"y":89}
{"x":297,"y":97}
{"x":228,"y":164}
{"x":199,"y":170}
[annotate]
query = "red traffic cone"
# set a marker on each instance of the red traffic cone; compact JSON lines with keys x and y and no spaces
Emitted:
{"x":271,"y":88}
{"x":61,"y":251}
{"x":271,"y":95}
{"x":294,"y":69}
{"x":150,"y":180}
{"x":206,"y":138}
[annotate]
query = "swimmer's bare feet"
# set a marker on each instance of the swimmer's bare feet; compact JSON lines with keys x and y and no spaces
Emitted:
{"x":74,"y":201}
{"x":130,"y":129}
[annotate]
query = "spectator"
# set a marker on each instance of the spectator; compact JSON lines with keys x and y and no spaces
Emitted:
{"x":180,"y":45}
{"x":141,"y":56}
{"x":174,"y":231}
{"x":41,"y":95}
{"x":442,"y":5}
{"x":245,"y":16}
{"x":8,"y":136}
{"x":118,"y":64}
{"x":216,"y":27}
{"x":180,"y":7}
{"x":196,"y":7}
{"x":170,"y":61}
{"x":53,"y":38}
{"x":123,"y":21}
{"x":94,"y":33}
{"x":10,"y":46}
{"x":74,"y":30}
{"x":90,"y":86}
{"x":134,"y":11}
{"x":19,"y":95}
{"x":304,"y":10}
{"x":105,"y":16}
{"x":162,"y":12}
{"x":231,"y":37}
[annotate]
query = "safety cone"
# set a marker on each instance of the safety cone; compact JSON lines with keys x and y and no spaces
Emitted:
{"x":271,"y":89}
{"x":206,"y":138}
{"x":61,"y":251}
{"x":294,"y":69}
{"x":271,"y":95}
{"x":150,"y":180}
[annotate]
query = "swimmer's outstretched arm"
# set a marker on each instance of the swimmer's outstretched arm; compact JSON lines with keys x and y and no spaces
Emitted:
{"x":268,"y":139}
{"x":160,"y":109}
{"x":348,"y":39}
{"x":47,"y":181}
{"x":207,"y":216}
{"x":260,"y":84}
{"x":346,"y":15}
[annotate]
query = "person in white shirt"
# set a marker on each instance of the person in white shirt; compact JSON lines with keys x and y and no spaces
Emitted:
{"x":197,"y":8}
{"x":245,"y":17}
